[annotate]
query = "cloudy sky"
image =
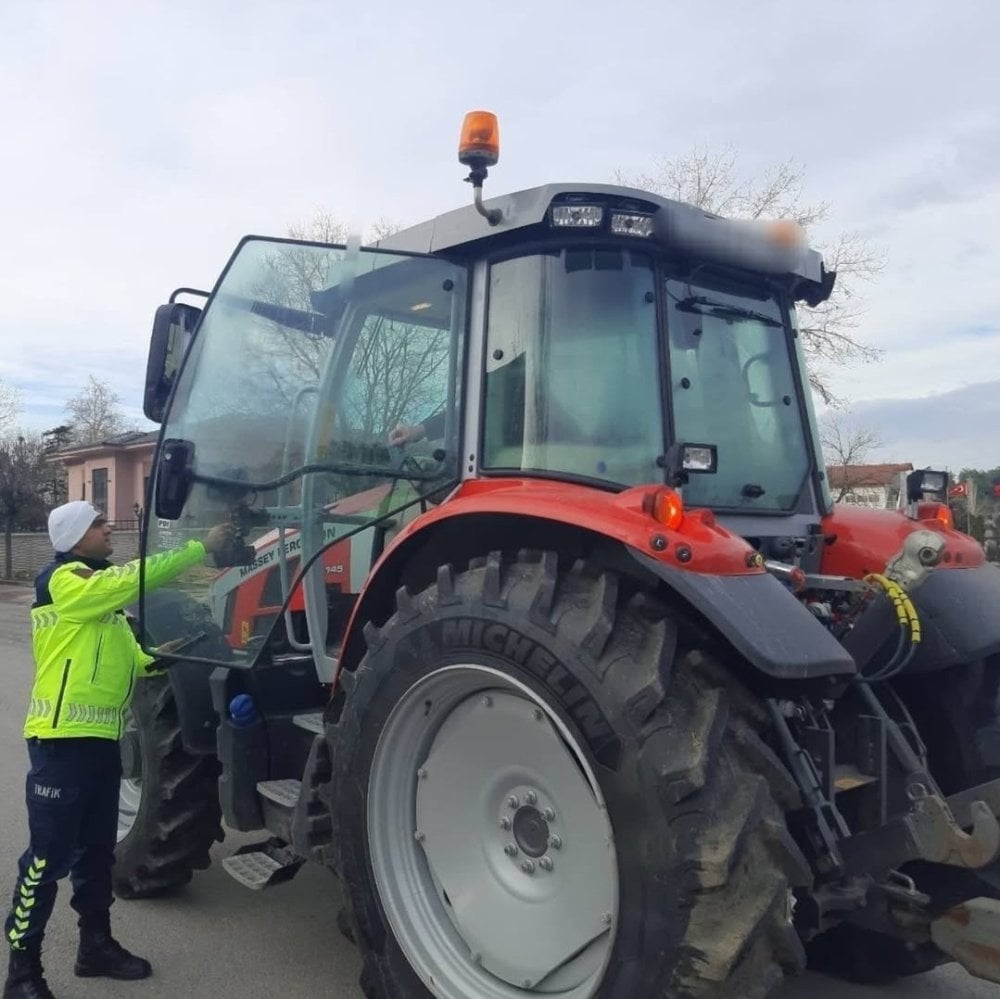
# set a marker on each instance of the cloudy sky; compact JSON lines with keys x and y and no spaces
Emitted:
{"x":141,"y":139}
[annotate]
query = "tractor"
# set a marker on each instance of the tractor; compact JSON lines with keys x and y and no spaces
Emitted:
{"x":540,"y":628}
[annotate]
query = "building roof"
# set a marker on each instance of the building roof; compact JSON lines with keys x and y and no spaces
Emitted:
{"x":125,"y":441}
{"x":865,"y":476}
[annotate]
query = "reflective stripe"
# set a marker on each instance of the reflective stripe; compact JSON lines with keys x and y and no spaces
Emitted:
{"x":90,"y":713}
{"x":25,"y":901}
{"x":40,"y":707}
{"x":43,"y":619}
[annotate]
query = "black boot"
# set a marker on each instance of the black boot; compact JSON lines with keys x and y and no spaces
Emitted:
{"x":24,"y":974}
{"x":100,"y":955}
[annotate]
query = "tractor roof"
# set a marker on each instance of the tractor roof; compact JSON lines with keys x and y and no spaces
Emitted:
{"x":688,"y":230}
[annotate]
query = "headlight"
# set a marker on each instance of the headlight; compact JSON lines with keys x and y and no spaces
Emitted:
{"x":623,"y":224}
{"x":577,"y":216}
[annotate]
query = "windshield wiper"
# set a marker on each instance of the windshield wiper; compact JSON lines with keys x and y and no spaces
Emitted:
{"x":705,"y":306}
{"x":347,"y":469}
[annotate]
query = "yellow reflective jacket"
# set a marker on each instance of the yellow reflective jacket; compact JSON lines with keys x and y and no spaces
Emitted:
{"x":86,"y":657}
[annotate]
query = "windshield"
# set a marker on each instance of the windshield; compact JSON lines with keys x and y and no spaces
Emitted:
{"x":308,"y":361}
{"x":732,"y":385}
{"x":572,"y":367}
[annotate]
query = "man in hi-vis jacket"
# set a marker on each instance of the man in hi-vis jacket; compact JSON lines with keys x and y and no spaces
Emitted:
{"x":86,"y":662}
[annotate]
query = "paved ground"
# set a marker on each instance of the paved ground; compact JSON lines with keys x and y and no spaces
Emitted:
{"x":216,"y":939}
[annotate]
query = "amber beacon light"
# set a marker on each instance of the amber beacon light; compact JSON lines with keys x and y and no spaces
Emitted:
{"x":479,"y":145}
{"x":479,"y":149}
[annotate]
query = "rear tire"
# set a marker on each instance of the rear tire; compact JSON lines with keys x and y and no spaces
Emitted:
{"x":700,"y":864}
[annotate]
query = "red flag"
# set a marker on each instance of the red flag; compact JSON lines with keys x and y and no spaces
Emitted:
{"x":959,"y":489}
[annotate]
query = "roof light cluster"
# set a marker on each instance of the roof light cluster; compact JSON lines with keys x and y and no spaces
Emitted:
{"x":592,"y":216}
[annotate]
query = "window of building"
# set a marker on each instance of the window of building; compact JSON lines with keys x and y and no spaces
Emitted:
{"x":99,"y":488}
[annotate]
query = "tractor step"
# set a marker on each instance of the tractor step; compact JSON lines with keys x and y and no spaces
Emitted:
{"x":278,"y":799}
{"x":263,"y":865}
{"x":312,"y":722}
{"x":281,"y":792}
{"x":847,"y":778}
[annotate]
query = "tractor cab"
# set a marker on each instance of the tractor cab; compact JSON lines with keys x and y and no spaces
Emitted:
{"x":590,"y":336}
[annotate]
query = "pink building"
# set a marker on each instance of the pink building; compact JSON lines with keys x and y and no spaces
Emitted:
{"x":112,"y":474}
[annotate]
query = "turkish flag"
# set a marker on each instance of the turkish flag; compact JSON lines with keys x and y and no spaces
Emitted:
{"x":959,"y":489}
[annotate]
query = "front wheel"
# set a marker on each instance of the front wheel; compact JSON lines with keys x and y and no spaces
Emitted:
{"x":534,"y":794}
{"x":168,"y":806}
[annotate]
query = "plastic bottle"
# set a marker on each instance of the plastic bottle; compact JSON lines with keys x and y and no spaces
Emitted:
{"x":242,"y":710}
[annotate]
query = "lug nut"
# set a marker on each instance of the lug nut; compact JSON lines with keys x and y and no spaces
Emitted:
{"x":505,"y":823}
{"x":555,"y":842}
{"x":512,"y":801}
{"x":510,"y":850}
{"x":549,"y":814}
{"x":422,"y":773}
{"x":546,"y":863}
{"x":531,"y":797}
{"x":528,"y":866}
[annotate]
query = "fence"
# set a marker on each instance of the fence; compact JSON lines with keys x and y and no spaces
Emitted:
{"x":33,"y":551}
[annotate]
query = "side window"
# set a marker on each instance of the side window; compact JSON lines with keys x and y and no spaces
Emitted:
{"x":572,"y":366}
{"x":398,"y":375}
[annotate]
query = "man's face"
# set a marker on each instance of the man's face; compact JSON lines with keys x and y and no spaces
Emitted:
{"x":96,"y":543}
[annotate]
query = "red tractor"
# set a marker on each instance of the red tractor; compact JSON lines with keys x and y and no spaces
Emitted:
{"x":542,"y":630}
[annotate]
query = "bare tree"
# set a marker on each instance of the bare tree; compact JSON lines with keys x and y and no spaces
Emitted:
{"x":10,"y":404}
{"x":22,"y":474}
{"x":711,"y":179}
{"x":94,"y":412}
{"x":846,"y":445}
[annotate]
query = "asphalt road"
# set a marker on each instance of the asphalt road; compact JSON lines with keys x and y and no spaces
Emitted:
{"x":217,"y":939}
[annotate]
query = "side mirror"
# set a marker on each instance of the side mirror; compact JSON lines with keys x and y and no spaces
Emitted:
{"x":173,"y":327}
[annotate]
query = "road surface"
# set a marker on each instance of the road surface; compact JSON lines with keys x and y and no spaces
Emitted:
{"x":216,"y":939}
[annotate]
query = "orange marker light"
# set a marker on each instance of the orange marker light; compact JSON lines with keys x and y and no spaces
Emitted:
{"x":936,"y":511}
{"x":666,"y":506}
{"x":479,"y":144}
{"x":786,"y":232}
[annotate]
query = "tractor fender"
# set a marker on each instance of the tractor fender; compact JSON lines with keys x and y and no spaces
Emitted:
{"x":761,"y":619}
{"x":717,"y":573}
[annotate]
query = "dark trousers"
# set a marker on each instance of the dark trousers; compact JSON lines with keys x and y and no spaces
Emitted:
{"x":72,"y":794}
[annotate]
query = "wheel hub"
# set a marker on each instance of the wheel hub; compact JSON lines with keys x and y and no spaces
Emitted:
{"x":531,"y":831}
{"x":508,"y":876}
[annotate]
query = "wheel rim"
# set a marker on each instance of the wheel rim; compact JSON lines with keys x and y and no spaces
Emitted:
{"x":490,"y":842}
{"x":130,"y":790}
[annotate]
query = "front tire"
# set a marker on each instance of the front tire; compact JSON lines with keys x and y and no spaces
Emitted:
{"x":168,"y":812}
{"x":168,"y":807}
{"x":535,"y":793}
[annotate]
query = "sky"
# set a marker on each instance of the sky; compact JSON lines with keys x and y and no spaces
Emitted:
{"x":140,"y":140}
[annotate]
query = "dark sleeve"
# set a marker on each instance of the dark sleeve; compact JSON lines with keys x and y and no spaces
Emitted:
{"x":434,"y":426}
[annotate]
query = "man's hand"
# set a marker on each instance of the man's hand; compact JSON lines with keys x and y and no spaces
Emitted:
{"x":219,"y":538}
{"x":406,"y":434}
